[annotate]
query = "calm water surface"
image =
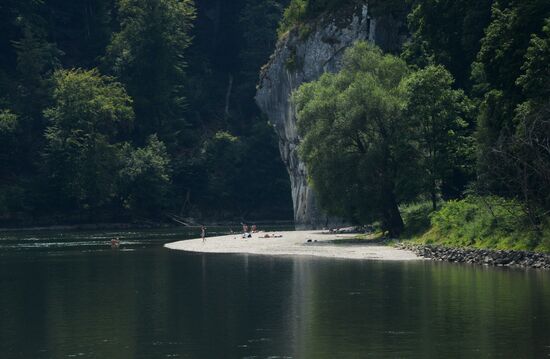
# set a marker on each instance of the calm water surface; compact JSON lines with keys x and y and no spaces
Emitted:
{"x":67,"y":295}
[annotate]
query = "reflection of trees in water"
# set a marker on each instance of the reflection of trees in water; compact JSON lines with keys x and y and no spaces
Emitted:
{"x":149,"y":303}
{"x":418,"y":310}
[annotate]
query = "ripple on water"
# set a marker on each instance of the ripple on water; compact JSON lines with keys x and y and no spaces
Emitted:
{"x":259,"y":340}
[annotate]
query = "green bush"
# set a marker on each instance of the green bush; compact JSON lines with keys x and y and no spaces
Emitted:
{"x":416,"y":217}
{"x":486,"y":222}
{"x":300,"y":11}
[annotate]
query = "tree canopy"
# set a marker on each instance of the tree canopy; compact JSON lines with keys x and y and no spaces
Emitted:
{"x":107,"y":108}
{"x":376,"y":135}
{"x":352,"y":129}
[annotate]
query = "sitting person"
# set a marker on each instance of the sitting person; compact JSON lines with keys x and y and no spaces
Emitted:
{"x":115,"y":243}
{"x":267,"y":235}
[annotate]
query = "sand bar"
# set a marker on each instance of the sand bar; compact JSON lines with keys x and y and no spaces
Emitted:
{"x":295,"y":244}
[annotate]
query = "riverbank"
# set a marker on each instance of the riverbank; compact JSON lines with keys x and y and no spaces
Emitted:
{"x":488,"y":257}
{"x":137,"y":225}
{"x":488,"y":222}
{"x":296,"y":243}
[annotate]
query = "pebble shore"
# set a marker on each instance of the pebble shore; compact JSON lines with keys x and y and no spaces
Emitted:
{"x":487,"y":257}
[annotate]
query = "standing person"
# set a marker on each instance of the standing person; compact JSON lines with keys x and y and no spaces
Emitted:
{"x":245,"y":228}
{"x":203,"y":233}
{"x":254,"y":228}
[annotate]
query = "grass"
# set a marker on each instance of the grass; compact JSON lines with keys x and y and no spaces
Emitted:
{"x":417,"y":218}
{"x":376,"y":236}
{"x":479,"y":222}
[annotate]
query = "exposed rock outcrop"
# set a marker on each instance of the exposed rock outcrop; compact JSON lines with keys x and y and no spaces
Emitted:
{"x":302,"y":57}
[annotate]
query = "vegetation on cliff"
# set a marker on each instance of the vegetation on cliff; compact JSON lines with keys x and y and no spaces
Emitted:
{"x":299,"y":13}
{"x":472,"y":118}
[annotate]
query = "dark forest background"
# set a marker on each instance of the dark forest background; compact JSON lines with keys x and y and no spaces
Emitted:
{"x":136,"y":110}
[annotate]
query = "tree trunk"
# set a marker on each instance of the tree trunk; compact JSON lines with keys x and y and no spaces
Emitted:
{"x":434,"y":198}
{"x":393,"y":222}
{"x":228,"y":97}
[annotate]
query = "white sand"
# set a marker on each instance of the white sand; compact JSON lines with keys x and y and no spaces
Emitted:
{"x":292,"y":244}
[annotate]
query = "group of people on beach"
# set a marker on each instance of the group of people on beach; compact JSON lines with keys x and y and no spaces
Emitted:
{"x":247,"y":232}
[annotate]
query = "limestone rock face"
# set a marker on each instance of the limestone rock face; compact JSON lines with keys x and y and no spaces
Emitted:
{"x":300,"y":58}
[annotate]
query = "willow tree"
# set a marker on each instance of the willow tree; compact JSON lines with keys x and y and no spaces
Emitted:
{"x":355,"y":139}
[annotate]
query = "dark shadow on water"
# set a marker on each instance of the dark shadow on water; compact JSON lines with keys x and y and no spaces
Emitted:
{"x":155,"y":303}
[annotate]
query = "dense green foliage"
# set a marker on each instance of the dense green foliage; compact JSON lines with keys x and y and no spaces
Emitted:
{"x":232,"y":41}
{"x":109,"y":108}
{"x":439,"y":117}
{"x":148,"y":56}
{"x":89,"y":110}
{"x":353,"y":136}
{"x":301,"y":12}
{"x":125,"y":109}
{"x":478,"y":92}
{"x":376,"y":135}
{"x":416,"y":216}
{"x":144,"y":178}
{"x":485,"y":222}
{"x":447,"y":32}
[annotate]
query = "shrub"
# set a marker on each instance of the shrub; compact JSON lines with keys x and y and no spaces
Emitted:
{"x":299,"y":11}
{"x":416,"y":217}
{"x":485,"y":222}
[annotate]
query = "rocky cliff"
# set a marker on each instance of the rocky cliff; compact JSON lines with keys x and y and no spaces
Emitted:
{"x":302,"y":56}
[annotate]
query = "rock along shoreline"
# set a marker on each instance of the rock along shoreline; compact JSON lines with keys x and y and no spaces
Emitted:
{"x":488,"y":257}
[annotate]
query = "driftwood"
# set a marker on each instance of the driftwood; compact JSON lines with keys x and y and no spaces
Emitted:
{"x":179,"y":220}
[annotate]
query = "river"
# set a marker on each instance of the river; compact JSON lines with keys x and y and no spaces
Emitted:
{"x":68,"y":295}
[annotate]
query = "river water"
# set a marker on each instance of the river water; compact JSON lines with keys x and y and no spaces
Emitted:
{"x":68,"y":295}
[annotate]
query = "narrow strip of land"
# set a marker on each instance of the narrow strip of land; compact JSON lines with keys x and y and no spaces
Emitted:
{"x":301,"y":243}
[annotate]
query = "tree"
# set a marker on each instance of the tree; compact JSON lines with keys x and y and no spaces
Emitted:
{"x":10,"y":188}
{"x":527,"y":150}
{"x":507,"y":90}
{"x":223,"y":156}
{"x":355,"y":138}
{"x":82,"y":29}
{"x":258,"y":20}
{"x":145,"y":178}
{"x":299,"y":11}
{"x":148,"y":56}
{"x":535,"y":80}
{"x":9,"y":124}
{"x":438,"y":114}
{"x":89,"y":114}
{"x":447,"y":32}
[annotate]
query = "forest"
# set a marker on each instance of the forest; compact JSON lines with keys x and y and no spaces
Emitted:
{"x":448,"y":139}
{"x":136,"y":111}
{"x":143,"y":109}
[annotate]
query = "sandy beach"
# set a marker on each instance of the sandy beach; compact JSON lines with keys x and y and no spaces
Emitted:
{"x":296,"y":243}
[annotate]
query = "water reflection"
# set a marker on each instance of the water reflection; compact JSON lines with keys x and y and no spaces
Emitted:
{"x":154,"y":303}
